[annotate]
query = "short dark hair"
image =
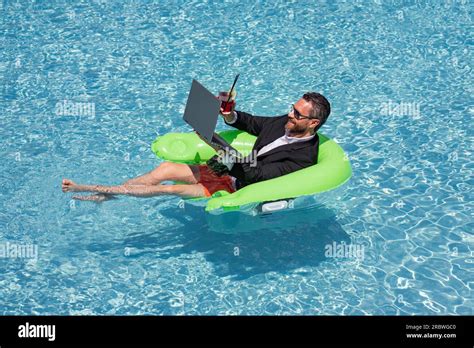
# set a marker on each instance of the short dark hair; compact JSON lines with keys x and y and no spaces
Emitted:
{"x":321,"y":107}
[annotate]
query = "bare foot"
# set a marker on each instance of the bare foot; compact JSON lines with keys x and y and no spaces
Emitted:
{"x":69,"y":185}
{"x":99,"y":197}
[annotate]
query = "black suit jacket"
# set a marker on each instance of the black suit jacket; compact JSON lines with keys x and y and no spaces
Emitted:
{"x":277,"y":162}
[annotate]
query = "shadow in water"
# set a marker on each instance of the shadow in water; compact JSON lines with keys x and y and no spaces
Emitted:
{"x":251,"y":245}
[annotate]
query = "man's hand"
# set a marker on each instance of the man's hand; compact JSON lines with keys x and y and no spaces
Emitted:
{"x":228,"y":116}
{"x":216,"y":166}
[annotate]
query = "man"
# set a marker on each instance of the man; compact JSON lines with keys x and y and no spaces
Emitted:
{"x":284,"y":144}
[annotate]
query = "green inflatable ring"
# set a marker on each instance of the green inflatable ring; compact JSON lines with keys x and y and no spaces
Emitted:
{"x":332,"y":170}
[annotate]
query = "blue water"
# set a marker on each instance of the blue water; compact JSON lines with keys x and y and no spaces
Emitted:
{"x":409,"y":202}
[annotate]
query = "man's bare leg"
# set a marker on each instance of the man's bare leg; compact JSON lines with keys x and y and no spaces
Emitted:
{"x":96,"y":197}
{"x":165,"y":171}
{"x":191,"y":190}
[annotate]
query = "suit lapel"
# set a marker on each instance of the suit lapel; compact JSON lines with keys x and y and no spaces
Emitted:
{"x":276,"y":131}
{"x":290,"y":147}
{"x":272,"y":133}
{"x":269,"y":138}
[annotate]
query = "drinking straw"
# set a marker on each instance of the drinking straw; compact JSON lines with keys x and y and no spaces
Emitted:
{"x":232,"y":88}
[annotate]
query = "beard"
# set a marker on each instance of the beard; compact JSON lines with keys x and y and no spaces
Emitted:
{"x":294,"y":128}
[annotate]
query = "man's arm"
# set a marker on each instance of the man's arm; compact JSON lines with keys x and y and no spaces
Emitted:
{"x":247,"y":122}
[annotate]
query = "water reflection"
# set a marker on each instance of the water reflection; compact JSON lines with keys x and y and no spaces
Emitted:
{"x":241,"y":246}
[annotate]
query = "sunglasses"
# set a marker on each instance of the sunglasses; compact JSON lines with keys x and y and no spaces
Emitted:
{"x":297,"y":114}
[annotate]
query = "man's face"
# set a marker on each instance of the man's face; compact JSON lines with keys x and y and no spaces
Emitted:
{"x":303,"y":125}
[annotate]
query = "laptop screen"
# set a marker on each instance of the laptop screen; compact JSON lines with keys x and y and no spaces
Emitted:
{"x":202,"y":110}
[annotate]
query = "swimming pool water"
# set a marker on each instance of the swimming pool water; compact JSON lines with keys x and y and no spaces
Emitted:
{"x":399,"y":78}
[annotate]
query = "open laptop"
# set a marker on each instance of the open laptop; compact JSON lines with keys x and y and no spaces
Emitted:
{"x":201,"y":113}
